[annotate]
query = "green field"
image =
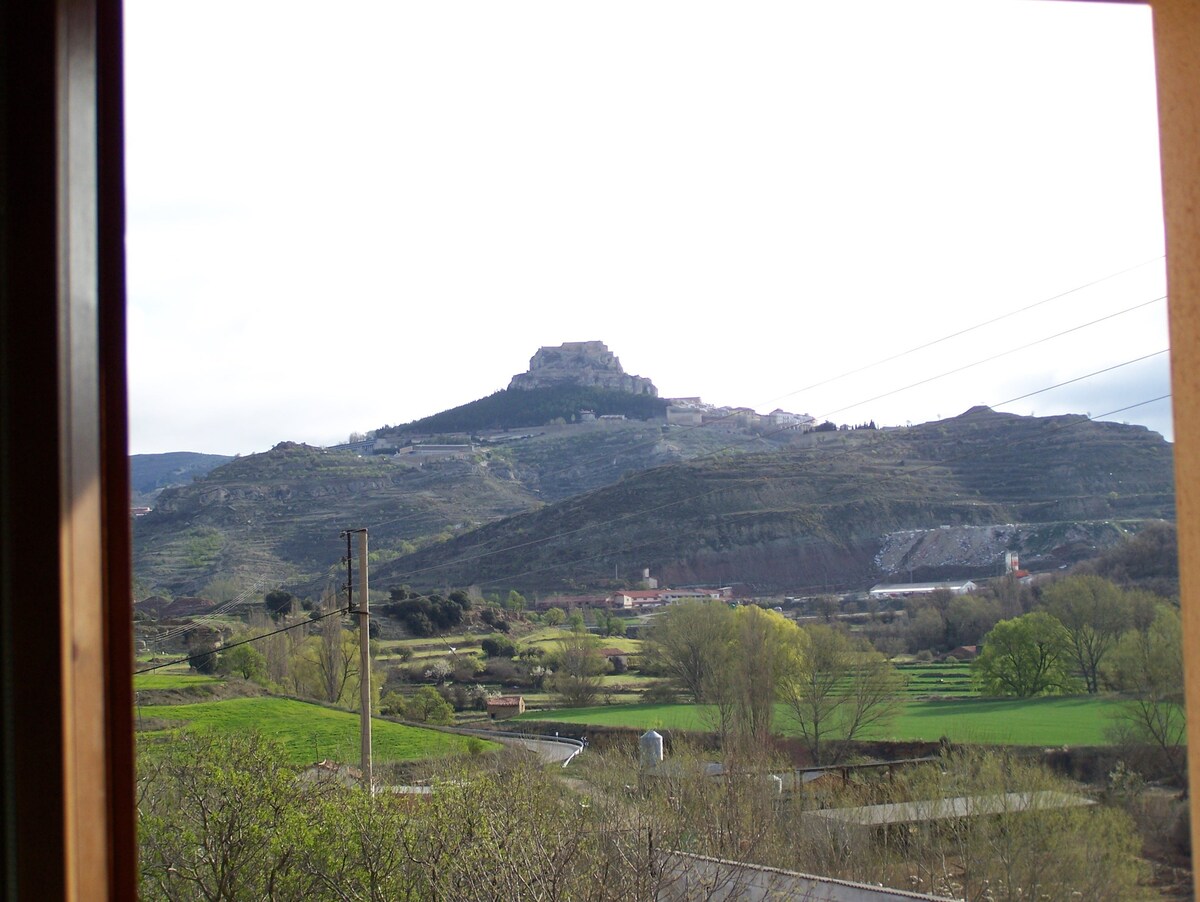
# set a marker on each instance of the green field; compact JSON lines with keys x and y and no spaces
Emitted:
{"x":163,"y":679}
{"x":1075,"y":720}
{"x":946,"y":680}
{"x":307,"y":732}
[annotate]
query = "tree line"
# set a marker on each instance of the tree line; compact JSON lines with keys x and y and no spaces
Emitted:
{"x":739,"y":662}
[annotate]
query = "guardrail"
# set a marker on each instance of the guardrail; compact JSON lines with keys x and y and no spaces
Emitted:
{"x":575,"y":744}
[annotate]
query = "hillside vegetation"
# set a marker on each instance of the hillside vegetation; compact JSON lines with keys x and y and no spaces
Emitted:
{"x":816,"y":513}
{"x":565,"y":507}
{"x":524,"y":408}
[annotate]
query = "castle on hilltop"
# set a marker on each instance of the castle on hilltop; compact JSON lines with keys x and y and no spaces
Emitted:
{"x":588,"y":363}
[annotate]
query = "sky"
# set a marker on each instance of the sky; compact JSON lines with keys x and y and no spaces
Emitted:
{"x":349,"y":215}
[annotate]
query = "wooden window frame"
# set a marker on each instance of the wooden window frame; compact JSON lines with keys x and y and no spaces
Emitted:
{"x":66,"y":733}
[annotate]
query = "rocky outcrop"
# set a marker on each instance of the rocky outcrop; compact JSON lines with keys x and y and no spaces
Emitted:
{"x":588,"y":363}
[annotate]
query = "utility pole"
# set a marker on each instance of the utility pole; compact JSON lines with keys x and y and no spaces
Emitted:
{"x":363,"y":609}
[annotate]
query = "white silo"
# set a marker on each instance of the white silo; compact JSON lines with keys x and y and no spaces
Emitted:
{"x":650,"y":746}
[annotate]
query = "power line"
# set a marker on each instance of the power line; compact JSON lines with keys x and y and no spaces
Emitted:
{"x":898,"y":356}
{"x":996,"y":357}
{"x":243,"y":641}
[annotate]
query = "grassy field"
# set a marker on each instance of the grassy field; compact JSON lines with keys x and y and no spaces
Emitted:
{"x":307,"y":732}
{"x":164,"y":679}
{"x":1077,"y":720}
{"x":947,"y":680}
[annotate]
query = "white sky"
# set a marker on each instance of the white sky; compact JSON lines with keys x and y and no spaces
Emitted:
{"x":357,"y":213}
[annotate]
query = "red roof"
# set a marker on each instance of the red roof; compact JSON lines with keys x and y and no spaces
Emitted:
{"x":505,"y":701}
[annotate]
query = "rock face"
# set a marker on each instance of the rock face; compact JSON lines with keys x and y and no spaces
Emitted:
{"x":588,"y":363}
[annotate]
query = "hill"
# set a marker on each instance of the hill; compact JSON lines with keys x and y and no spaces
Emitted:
{"x":819,"y":512}
{"x":513,"y":408}
{"x":149,"y":474}
{"x":275,"y":516}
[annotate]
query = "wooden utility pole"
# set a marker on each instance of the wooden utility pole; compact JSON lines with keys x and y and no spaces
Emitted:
{"x":364,"y":662}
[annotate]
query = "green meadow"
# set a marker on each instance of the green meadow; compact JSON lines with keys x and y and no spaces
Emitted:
{"x":162,"y":679}
{"x":1073,"y":720}
{"x":306,"y":731}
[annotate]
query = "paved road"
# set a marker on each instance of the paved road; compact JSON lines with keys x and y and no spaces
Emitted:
{"x":551,"y":749}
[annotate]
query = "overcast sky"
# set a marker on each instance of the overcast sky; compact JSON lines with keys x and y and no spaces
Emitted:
{"x":345,"y":215}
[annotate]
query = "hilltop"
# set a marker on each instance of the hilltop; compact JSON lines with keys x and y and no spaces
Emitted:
{"x":149,"y":474}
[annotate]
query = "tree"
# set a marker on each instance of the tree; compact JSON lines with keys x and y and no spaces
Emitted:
{"x":325,"y":665}
{"x":427,"y":706}
{"x":498,"y":647}
{"x":1147,"y":665}
{"x":1094,"y":614}
{"x":1026,"y":656}
{"x":244,"y":661}
{"x":515,"y":602}
{"x":554,"y":616}
{"x":838,"y":687}
{"x":687,"y":643}
{"x":579,"y":666}
{"x":218,"y":818}
{"x":764,"y":650}
{"x":279,"y":602}
{"x":222,"y":589}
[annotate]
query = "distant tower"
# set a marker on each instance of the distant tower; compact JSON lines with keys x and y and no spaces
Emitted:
{"x":649,"y":581}
{"x":1012,"y":562}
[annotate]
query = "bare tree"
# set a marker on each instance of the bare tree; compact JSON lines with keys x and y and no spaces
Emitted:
{"x":688,"y":642}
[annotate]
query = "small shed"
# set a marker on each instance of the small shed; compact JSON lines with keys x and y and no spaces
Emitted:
{"x":503,"y":706}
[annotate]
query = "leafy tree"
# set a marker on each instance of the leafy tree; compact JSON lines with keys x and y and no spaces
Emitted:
{"x":203,"y":658}
{"x":1026,"y":656}
{"x":279,"y":602}
{"x":1147,"y":665}
{"x":244,"y":661}
{"x":687,"y":643}
{"x":764,"y":651}
{"x":838,"y":687}
{"x":576,"y":623}
{"x":1094,"y":614}
{"x":427,"y":706}
{"x":609,"y":624}
{"x":219,"y":817}
{"x":515,"y":602}
{"x":498,"y":647}
{"x":554,"y":616}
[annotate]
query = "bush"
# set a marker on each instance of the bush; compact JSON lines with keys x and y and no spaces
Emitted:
{"x":498,"y":647}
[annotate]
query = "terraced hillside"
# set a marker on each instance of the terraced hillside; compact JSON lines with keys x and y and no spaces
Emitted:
{"x":816,"y":513}
{"x":274,"y":518}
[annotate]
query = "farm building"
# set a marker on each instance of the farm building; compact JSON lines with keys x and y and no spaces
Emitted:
{"x":504,"y":706}
{"x":907,"y":590}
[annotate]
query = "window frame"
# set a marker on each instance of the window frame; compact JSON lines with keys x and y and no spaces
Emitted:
{"x":66,"y":728}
